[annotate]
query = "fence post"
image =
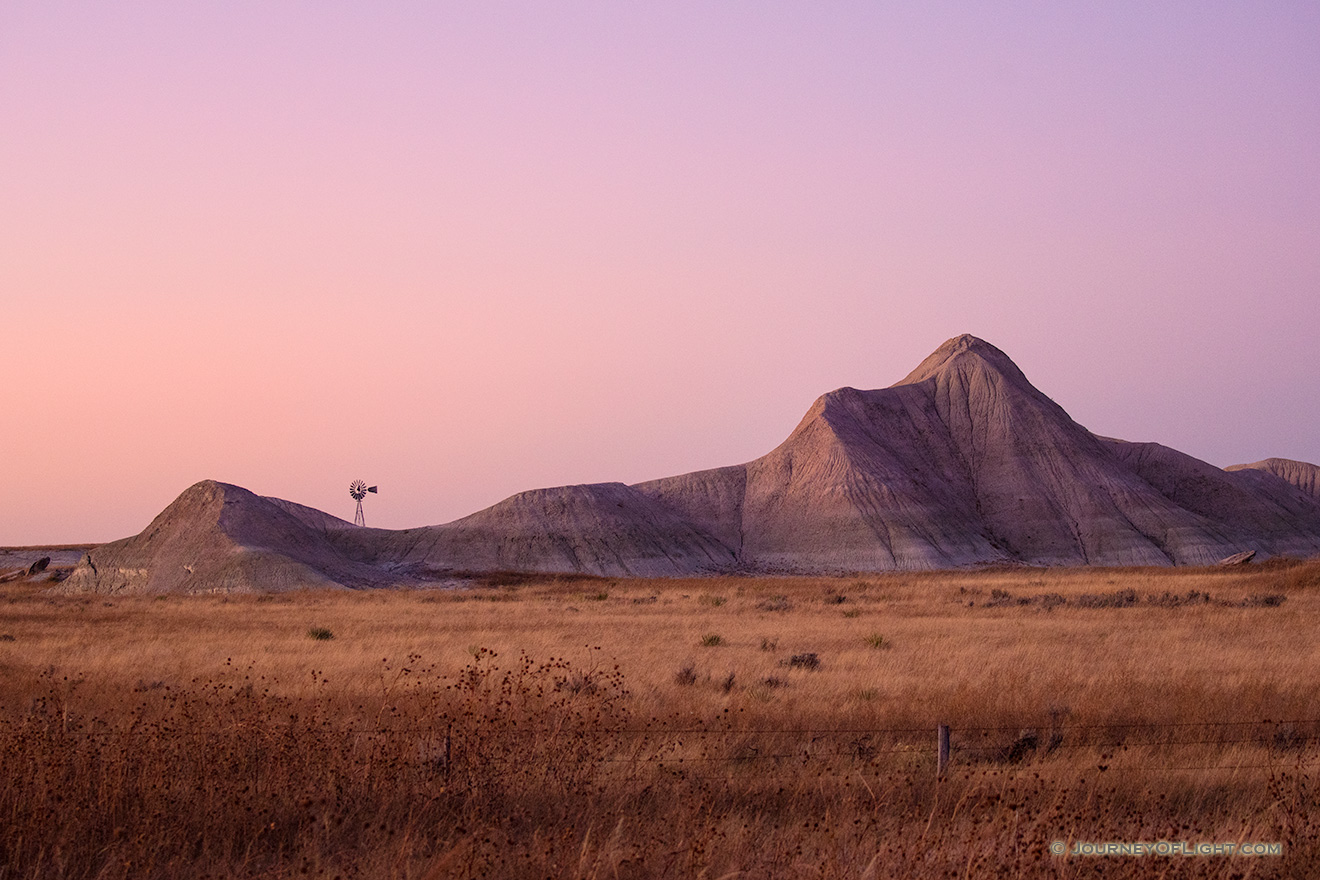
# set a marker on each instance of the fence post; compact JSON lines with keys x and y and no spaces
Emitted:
{"x":942,"y":736}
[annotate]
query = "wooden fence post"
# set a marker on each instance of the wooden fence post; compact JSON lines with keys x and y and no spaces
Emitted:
{"x":942,"y":735}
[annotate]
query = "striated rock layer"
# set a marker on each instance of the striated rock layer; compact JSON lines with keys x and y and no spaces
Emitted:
{"x":963,"y":462}
{"x":1298,"y":473}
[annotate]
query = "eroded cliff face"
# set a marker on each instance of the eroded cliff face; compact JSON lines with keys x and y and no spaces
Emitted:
{"x":963,"y":462}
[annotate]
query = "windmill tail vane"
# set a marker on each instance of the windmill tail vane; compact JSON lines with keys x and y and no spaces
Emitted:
{"x":358,"y":490}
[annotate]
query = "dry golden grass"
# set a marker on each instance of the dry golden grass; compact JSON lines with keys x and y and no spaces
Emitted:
{"x":666,"y":728}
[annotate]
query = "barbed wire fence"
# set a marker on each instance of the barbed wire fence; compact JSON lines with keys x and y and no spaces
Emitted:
{"x":1291,"y":744}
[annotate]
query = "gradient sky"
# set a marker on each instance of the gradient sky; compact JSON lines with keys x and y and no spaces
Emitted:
{"x":461,"y":250}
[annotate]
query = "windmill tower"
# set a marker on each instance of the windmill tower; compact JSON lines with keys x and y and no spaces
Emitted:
{"x":359,"y":490}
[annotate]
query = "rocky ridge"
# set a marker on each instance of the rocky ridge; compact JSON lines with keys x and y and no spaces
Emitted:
{"x":963,"y":462}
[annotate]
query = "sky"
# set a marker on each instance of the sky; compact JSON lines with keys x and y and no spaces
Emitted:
{"x":461,"y":250}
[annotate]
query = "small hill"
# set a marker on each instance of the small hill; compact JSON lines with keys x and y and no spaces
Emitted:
{"x":1301,"y":474}
{"x":221,"y":538}
{"x":603,"y":528}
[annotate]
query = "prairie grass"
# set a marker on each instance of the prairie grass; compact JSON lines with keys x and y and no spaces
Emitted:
{"x":515,"y":730}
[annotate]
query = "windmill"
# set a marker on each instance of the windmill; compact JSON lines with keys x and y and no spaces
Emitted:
{"x":359,"y":490}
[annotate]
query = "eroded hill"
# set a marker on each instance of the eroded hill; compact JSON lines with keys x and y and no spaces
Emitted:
{"x":963,"y":462}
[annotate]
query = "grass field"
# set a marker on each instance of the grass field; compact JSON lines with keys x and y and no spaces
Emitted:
{"x":735,"y":727}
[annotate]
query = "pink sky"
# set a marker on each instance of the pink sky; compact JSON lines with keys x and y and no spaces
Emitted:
{"x":462,"y":250}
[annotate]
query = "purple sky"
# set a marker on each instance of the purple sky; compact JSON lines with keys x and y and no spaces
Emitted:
{"x":462,"y":250}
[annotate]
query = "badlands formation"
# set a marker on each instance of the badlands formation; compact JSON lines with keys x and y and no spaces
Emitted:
{"x":962,"y":463}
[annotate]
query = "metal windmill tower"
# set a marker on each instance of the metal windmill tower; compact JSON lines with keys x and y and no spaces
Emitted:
{"x":359,"y":490}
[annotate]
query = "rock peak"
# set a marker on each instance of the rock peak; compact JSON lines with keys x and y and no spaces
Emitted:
{"x":959,"y":351}
{"x":966,"y":342}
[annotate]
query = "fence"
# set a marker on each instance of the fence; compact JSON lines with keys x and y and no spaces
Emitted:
{"x":1287,"y":744}
{"x":1192,"y":746}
